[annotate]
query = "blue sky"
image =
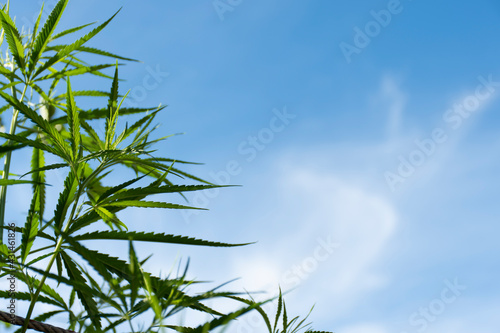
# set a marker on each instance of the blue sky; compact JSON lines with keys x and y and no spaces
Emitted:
{"x":412,"y":105}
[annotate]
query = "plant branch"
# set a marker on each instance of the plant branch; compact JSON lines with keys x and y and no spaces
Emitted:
{"x":33,"y":324}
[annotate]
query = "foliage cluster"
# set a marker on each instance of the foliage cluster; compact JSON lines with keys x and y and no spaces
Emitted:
{"x":107,"y":294}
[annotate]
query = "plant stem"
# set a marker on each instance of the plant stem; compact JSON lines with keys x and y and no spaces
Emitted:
{"x":8,"y":159}
{"x":51,"y":262}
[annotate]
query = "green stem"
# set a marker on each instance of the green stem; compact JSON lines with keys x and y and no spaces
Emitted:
{"x":8,"y":159}
{"x":51,"y":262}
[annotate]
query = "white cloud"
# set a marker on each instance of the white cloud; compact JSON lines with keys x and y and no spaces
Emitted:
{"x":397,"y":100}
{"x":393,"y":102}
{"x":320,"y":206}
{"x":261,"y":271}
{"x":362,"y":222}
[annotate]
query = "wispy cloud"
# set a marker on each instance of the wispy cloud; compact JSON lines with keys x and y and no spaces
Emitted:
{"x":393,"y":100}
{"x":323,"y":208}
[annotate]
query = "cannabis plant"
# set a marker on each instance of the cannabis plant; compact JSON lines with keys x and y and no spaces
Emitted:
{"x":105,"y":293}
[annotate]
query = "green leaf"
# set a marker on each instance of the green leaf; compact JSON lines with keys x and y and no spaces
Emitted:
{"x":70,"y":31}
{"x":135,"y":272}
{"x":4,"y":108}
{"x":285,"y":318}
{"x":73,"y":120}
{"x":89,"y":93}
{"x":151,"y":237}
{"x":43,"y":38}
{"x":221,"y":321}
{"x":117,"y":188}
{"x":90,"y":218}
{"x":24,"y":296}
{"x":145,"y":191}
{"x":38,"y":177}
{"x":39,"y":121}
{"x":148,"y":204}
{"x":129,"y":130}
{"x":4,"y":182}
{"x":278,"y":312}
{"x":44,"y":317}
{"x":103,"y":53}
{"x":90,"y":257}
{"x":75,"y":283}
{"x":13,"y":39}
{"x":35,"y":29}
{"x":102,"y":113}
{"x":65,"y":199}
{"x":94,"y":51}
{"x":76,"y":71}
{"x":35,"y":169}
{"x":60,"y":269}
{"x":32,"y":143}
{"x":63,"y":53}
{"x":92,"y":133}
{"x":8,"y":147}
{"x":30,"y":229}
{"x":112,"y":111}
{"x":47,"y":290}
{"x":12,"y":85}
{"x":6,"y":72}
{"x":258,"y":309}
{"x":109,"y":217}
{"x":4,"y":250}
{"x":88,"y":302}
{"x":46,"y":99}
